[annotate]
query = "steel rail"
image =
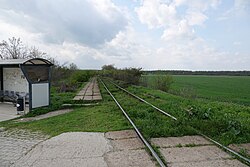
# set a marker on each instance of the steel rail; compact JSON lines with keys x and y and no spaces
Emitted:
{"x":136,"y":129}
{"x":139,"y":98}
{"x":246,"y":160}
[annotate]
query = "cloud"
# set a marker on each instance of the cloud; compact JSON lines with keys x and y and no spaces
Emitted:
{"x":91,"y":33}
{"x":196,"y":18}
{"x":239,"y":9}
{"x":180,"y":31}
{"x":87,"y":22}
{"x":157,"y":13}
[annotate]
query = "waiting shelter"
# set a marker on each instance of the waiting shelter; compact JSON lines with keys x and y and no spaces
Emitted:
{"x":26,"y":78}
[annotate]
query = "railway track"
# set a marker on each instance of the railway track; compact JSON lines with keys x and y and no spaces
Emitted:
{"x":160,"y":162}
{"x":155,"y":155}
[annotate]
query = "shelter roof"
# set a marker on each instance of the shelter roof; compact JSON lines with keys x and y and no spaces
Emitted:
{"x":33,"y":61}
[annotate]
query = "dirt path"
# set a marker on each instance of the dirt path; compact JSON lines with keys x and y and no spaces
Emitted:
{"x":43,"y":116}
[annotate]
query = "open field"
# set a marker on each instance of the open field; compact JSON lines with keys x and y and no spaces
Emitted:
{"x":234,"y":89}
{"x":225,"y":122}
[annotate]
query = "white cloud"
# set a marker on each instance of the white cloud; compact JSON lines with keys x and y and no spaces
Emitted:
{"x":180,"y":31}
{"x":156,"y":14}
{"x":88,"y":22}
{"x":93,"y":33}
{"x":239,"y":9}
{"x":196,"y":18}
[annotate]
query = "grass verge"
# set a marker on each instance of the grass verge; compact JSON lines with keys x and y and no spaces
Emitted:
{"x":101,"y":118}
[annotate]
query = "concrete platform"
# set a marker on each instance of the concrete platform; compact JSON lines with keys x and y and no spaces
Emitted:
{"x":89,"y":92}
{"x":7,"y":111}
{"x":241,"y":147}
{"x":127,"y":144}
{"x":193,"y":154}
{"x":180,"y":141}
{"x":78,"y":97}
{"x":125,"y":134}
{"x":131,"y":158}
{"x":83,"y":149}
{"x":193,"y":151}
{"x":214,"y":163}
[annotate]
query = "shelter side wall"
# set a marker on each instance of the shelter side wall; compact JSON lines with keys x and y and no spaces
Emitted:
{"x":14,"y":80}
{"x":40,"y":95}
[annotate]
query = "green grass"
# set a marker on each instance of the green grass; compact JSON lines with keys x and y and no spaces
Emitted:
{"x":226,"y":122}
{"x":100,"y":118}
{"x":234,"y":89}
{"x":90,"y":119}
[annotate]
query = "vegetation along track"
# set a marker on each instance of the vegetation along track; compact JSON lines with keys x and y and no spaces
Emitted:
{"x":136,"y":129}
{"x":177,"y":122}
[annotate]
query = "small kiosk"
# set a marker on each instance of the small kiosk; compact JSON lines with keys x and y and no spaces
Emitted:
{"x":26,"y":78}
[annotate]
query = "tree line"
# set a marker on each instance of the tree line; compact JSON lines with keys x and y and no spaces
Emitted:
{"x":184,"y":72}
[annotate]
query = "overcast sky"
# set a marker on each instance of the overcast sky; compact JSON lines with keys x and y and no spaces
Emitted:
{"x":152,"y":34}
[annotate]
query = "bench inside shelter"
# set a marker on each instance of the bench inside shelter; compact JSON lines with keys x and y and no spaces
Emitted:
{"x":26,"y":78}
{"x":11,"y":96}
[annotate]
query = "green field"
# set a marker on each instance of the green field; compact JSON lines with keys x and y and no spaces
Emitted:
{"x":225,"y":122}
{"x":234,"y":89}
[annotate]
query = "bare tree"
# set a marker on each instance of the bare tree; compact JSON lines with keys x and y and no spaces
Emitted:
{"x":13,"y":49}
{"x":36,"y":53}
{"x":73,"y":66}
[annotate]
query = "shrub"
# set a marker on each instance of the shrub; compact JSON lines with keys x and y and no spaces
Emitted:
{"x":128,"y":75}
{"x":161,"y":82}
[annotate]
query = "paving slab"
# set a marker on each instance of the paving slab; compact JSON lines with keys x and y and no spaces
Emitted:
{"x":90,"y":89}
{"x":212,"y":163}
{"x":81,"y":94}
{"x":16,"y":143}
{"x":7,"y":111}
{"x":87,"y":149}
{"x":131,"y":158}
{"x":192,"y":154}
{"x":68,"y":149}
{"x":179,"y":141}
{"x":96,"y":98}
{"x":127,"y":144}
{"x":89,"y":93}
{"x":85,"y":162}
{"x":88,"y":98}
{"x":124,"y":134}
{"x":77,"y":97}
{"x":241,"y":147}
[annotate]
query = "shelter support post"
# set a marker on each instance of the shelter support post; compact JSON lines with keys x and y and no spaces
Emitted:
{"x":1,"y":81}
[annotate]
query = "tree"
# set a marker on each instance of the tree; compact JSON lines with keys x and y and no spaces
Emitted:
{"x":14,"y":49}
{"x":73,"y":66}
{"x":35,"y":53}
{"x":109,"y":67}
